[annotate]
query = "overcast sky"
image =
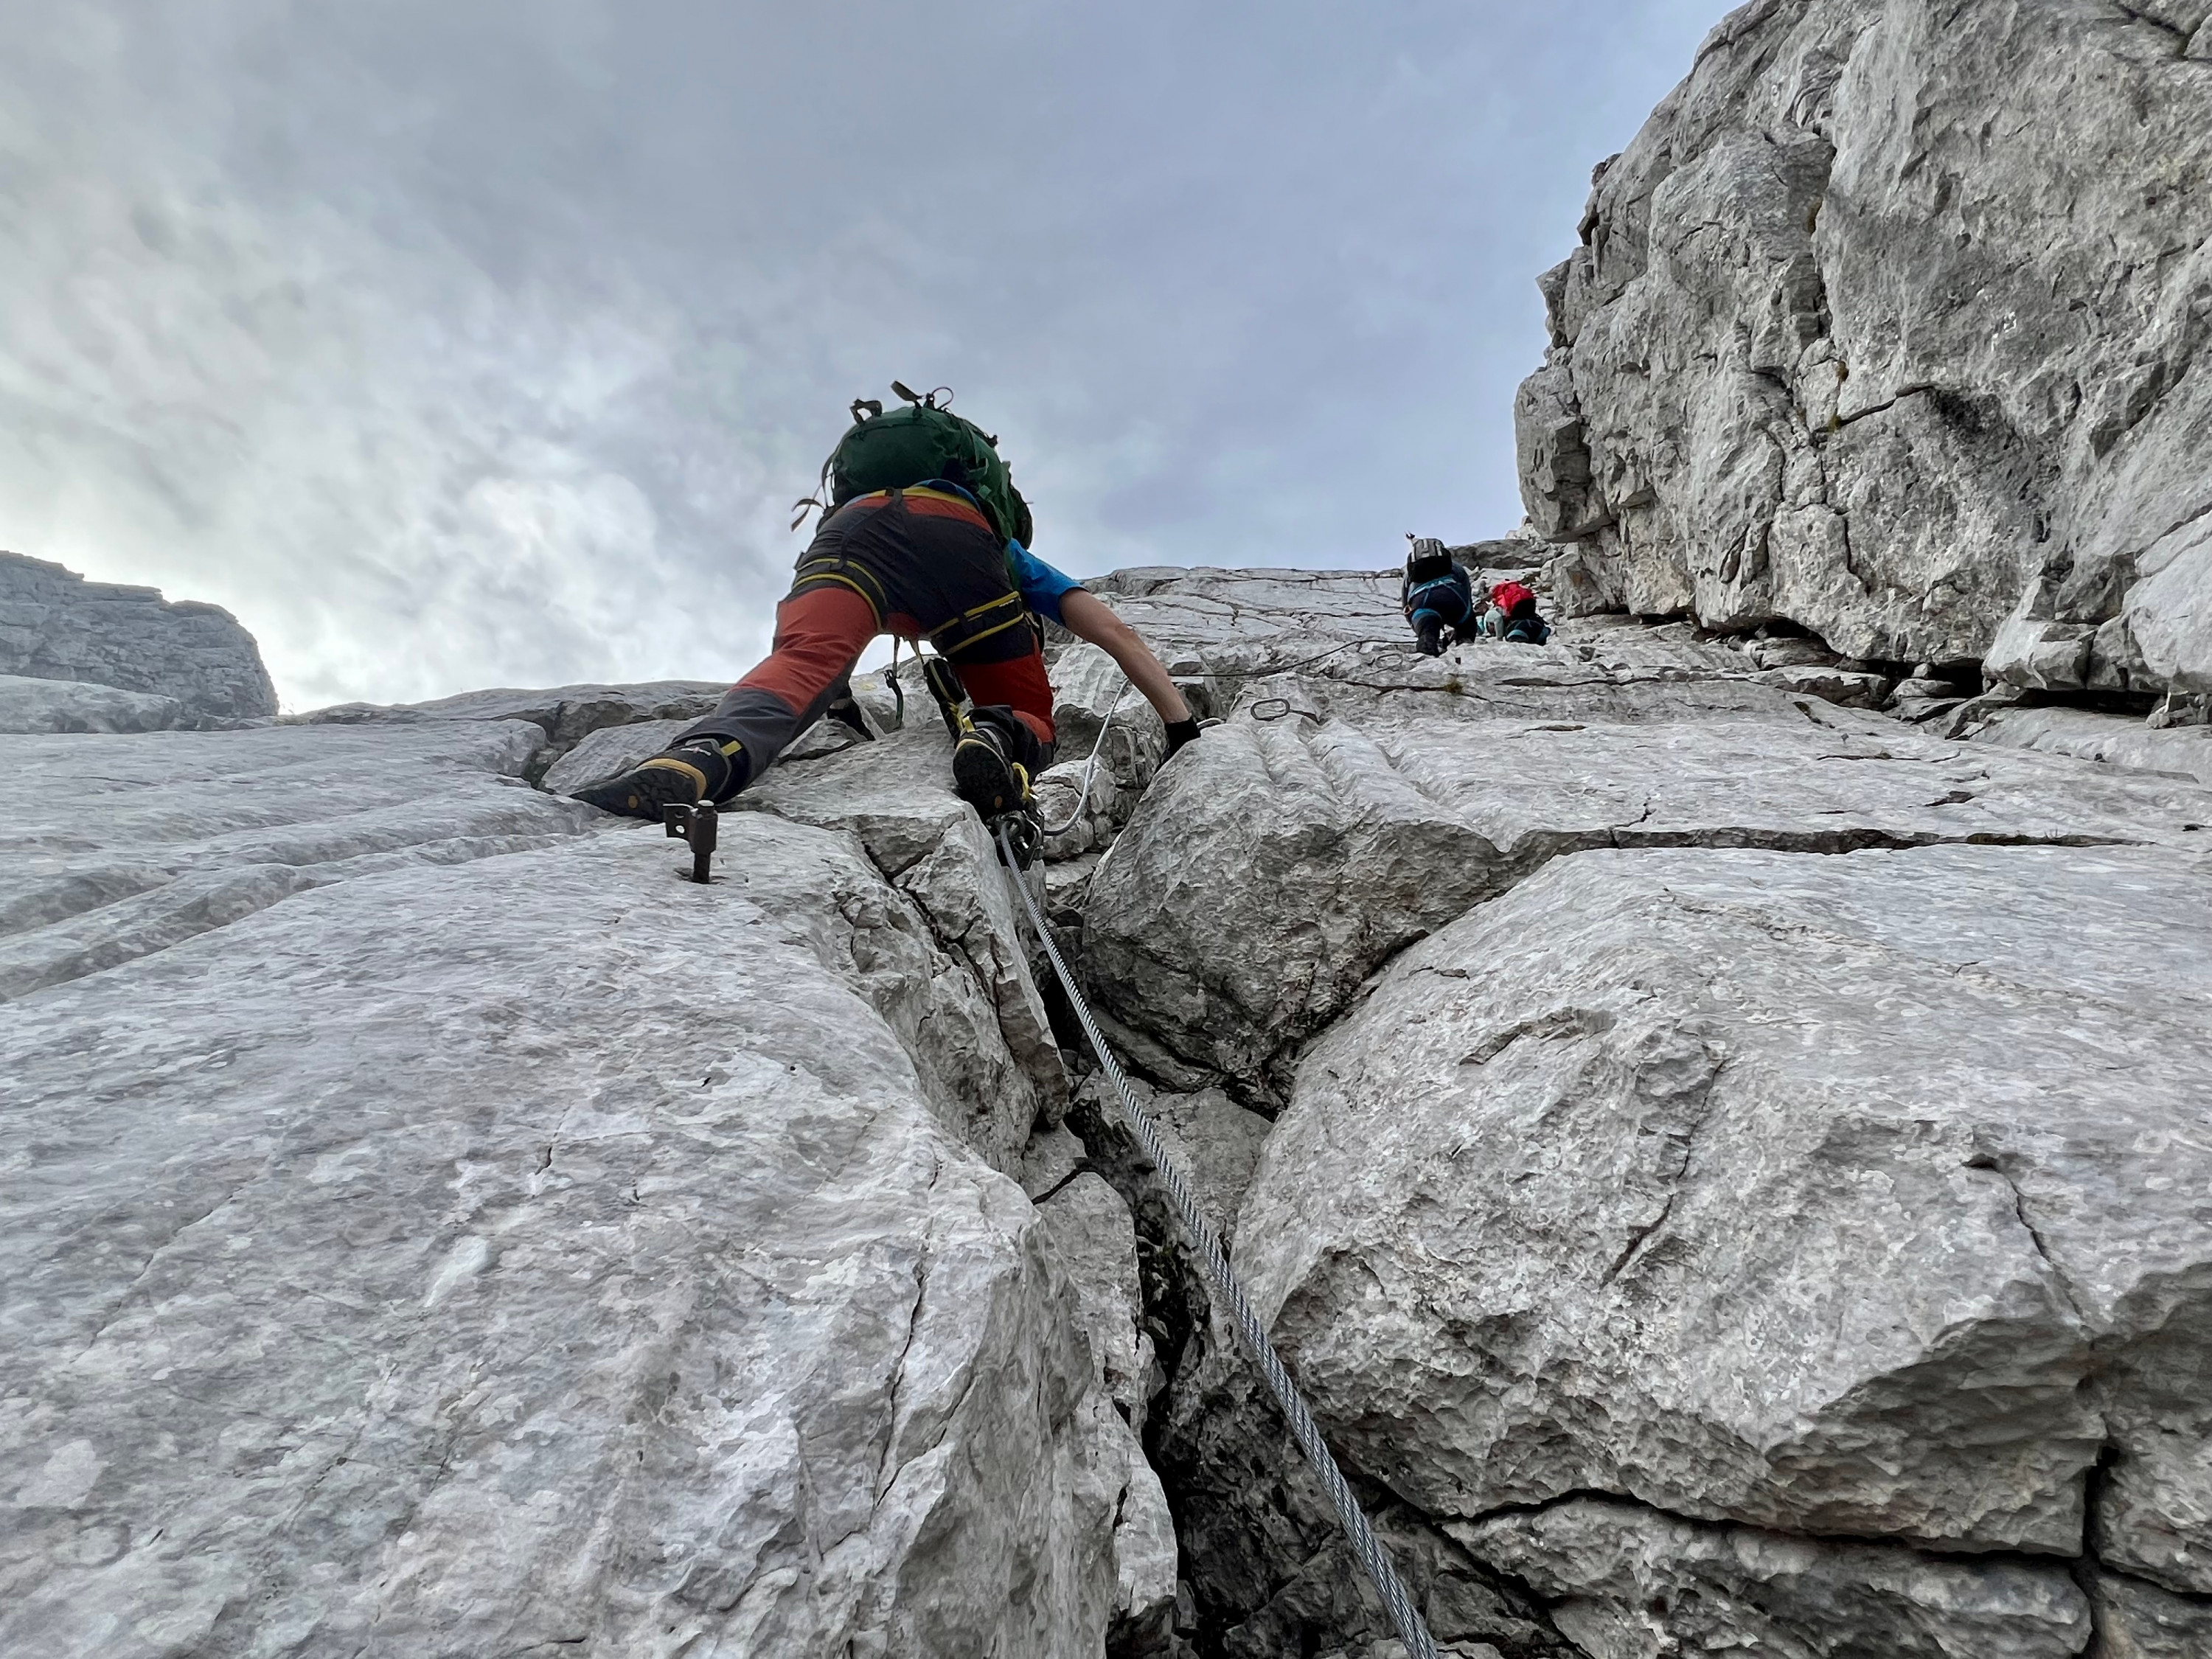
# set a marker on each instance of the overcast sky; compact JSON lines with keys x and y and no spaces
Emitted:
{"x":484,"y":342}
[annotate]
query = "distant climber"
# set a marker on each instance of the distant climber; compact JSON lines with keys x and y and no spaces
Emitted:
{"x":1437,"y":597}
{"x":923,"y":536}
{"x":1508,"y":613}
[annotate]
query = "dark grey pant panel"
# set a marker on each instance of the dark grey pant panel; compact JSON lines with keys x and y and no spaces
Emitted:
{"x":760,"y":721}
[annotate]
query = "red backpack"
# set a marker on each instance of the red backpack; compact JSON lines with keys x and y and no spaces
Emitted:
{"x":1512,"y":599}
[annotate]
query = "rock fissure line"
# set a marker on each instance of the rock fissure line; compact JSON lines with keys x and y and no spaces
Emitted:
{"x":886,"y":1476}
{"x":1674,"y":1179}
{"x":2059,"y":1277}
{"x":2179,"y":37}
{"x":1926,"y":1549}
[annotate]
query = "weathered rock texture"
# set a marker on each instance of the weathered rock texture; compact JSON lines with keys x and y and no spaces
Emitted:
{"x":1731,"y":1172}
{"x":1742,"y":1162}
{"x":33,"y":705}
{"x":55,"y":625}
{"x":1892,"y":321}
{"x":432,"y":1225}
{"x":1282,"y":860}
{"x":2183,"y":751}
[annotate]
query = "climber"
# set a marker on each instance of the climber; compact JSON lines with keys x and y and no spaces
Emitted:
{"x":1437,"y":595}
{"x":1508,"y":612}
{"x":922,"y":538}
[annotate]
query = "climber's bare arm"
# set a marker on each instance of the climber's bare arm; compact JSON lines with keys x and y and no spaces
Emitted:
{"x":1088,"y":618}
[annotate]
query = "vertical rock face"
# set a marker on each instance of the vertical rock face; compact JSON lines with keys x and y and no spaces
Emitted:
{"x":1891,"y":322}
{"x":55,"y":625}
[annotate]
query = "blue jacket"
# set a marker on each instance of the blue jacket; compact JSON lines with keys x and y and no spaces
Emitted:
{"x":1042,"y":587}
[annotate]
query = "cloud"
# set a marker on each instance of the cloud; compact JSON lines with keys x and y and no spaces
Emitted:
{"x":451,"y":346}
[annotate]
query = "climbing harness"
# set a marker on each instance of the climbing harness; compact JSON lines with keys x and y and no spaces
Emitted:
{"x":1374,"y":1559}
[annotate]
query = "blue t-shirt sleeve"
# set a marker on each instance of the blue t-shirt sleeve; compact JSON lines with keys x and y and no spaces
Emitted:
{"x":1041,"y":586}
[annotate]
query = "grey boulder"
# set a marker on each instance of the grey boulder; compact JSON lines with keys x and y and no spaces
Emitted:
{"x":566,"y":714}
{"x":114,"y":846}
{"x":1275,"y":863}
{"x":1856,"y":1196}
{"x":1623,"y":1583}
{"x":474,"y":1237}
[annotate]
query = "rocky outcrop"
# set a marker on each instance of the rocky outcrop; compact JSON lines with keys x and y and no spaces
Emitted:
{"x":566,"y":714}
{"x":1384,"y":797}
{"x":1735,"y":1181}
{"x":55,"y":625}
{"x":1727,"y":1168}
{"x":433,"y":1224}
{"x":1891,"y":322}
{"x":2184,"y":751}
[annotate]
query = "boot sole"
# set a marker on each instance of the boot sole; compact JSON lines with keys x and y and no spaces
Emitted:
{"x":641,"y":795}
{"x":982,"y":778}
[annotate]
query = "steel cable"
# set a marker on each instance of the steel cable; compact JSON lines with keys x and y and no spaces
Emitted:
{"x":1373,"y":1559}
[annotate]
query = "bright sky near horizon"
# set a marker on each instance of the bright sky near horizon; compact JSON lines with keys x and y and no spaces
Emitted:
{"x":455,"y":345}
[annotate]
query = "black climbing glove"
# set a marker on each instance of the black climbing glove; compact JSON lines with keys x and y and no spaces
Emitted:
{"x":1179,"y":733}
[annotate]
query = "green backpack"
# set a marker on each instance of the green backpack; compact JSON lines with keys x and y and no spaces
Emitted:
{"x":913,"y":445}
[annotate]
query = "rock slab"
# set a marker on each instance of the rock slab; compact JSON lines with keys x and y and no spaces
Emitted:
{"x":527,"y":1251}
{"x":1859,"y":1195}
{"x":28,"y":706}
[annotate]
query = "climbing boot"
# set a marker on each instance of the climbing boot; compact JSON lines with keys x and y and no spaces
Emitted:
{"x":984,"y":776}
{"x":703,"y":769}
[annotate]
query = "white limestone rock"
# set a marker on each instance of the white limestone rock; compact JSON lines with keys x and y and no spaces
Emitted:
{"x":2182,"y":751}
{"x":1088,"y":686}
{"x":55,"y":625}
{"x":1275,"y":865}
{"x":896,"y":796}
{"x":1856,"y":1195}
{"x":113,"y":846}
{"x":1774,"y":387}
{"x":1215,"y":1142}
{"x":608,"y":752}
{"x":567,"y":714}
{"x":530,"y":1251}
{"x":1211,"y":623}
{"x":634,"y":732}
{"x":1095,"y":1237}
{"x":28,"y":706}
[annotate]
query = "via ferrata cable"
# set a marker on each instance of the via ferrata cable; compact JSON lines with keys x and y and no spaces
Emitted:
{"x":1373,"y":1559}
